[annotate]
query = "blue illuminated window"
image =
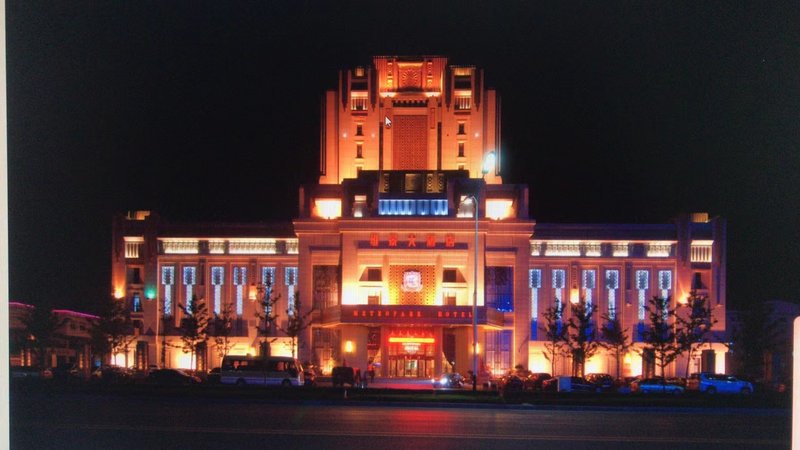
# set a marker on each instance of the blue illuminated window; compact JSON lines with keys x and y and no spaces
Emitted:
{"x":499,"y":288}
{"x":412,"y":207}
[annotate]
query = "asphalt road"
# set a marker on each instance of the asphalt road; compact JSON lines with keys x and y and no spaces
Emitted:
{"x":88,"y":421}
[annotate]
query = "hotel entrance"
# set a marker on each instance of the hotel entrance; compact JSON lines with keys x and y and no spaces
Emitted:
{"x":411,"y":354}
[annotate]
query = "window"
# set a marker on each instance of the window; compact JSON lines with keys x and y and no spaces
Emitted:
{"x":461,"y":128}
{"x":460,"y":149}
{"x":267,"y":280}
{"x":134,"y":275}
{"x":535,"y":283}
{"x":450,"y":276}
{"x":558,"y":282}
{"x":290,"y":275}
{"x":588,"y":283}
{"x":642,"y":284}
{"x":499,"y":286}
{"x":189,"y":280}
{"x":359,"y":150}
{"x":498,"y":351}
{"x":217,"y":281}
{"x":240,"y":282}
{"x":612,"y":284}
{"x":665,"y":286}
{"x":167,"y":282}
{"x":359,"y":129}
{"x":374,"y":274}
{"x":136,"y":304}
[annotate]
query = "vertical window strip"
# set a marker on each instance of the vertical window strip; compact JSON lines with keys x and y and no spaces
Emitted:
{"x":612,"y":284}
{"x":558,"y":282}
{"x":535,"y":283}
{"x":167,"y":281}
{"x":217,"y":280}
{"x":240,"y":281}
{"x":589,"y":284}
{"x":268,"y":280}
{"x":189,"y":280}
{"x":642,"y":284}
{"x":665,"y":285}
{"x":290,"y":275}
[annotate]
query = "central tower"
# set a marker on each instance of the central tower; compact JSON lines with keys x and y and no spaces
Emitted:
{"x":409,"y":114}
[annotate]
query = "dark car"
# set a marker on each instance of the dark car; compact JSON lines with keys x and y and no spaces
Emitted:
{"x":171,"y":377}
{"x":213,"y":376}
{"x":511,"y":383}
{"x":343,"y":374}
{"x":602,"y":381}
{"x":112,"y":375}
{"x":568,"y":384}
{"x":449,"y":381}
{"x":533,"y":382}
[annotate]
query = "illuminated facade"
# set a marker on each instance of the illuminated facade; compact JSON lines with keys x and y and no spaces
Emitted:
{"x":385,"y":251}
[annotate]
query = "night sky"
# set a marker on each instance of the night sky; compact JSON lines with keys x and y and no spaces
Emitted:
{"x":628,"y":112}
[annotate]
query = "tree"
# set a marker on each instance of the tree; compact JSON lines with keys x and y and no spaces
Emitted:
{"x":112,"y":333}
{"x":659,"y":333}
{"x":755,"y":338}
{"x":266,"y":316}
{"x":223,"y":327}
{"x":194,"y":327}
{"x":41,"y":324}
{"x":581,"y":337}
{"x":555,"y":332}
{"x":694,"y":328}
{"x":614,"y":338}
{"x":297,"y":322}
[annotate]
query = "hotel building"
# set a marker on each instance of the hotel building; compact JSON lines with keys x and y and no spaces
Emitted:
{"x":410,"y":223}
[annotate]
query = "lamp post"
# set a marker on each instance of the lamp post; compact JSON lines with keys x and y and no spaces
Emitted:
{"x":488,"y":163}
{"x":475,"y":303}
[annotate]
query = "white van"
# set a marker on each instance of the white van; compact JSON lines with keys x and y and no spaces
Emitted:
{"x":258,"y":370}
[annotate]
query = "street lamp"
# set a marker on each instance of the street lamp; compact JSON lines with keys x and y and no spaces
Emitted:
{"x":488,"y":164}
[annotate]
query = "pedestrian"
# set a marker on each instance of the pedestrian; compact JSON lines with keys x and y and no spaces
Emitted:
{"x":371,"y":371}
{"x":357,"y":378}
{"x":365,"y":379}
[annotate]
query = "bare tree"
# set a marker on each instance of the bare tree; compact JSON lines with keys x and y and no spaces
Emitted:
{"x":296,"y":323}
{"x":266,"y":315}
{"x":659,"y":333}
{"x":581,"y":337}
{"x":194,"y":327}
{"x":614,"y":338}
{"x":694,"y":328}
{"x":112,"y":333}
{"x":223,"y":327}
{"x":41,"y":325}
{"x":555,"y":331}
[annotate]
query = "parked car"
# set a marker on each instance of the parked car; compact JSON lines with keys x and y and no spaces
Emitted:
{"x":449,"y":381}
{"x":533,"y":382}
{"x":112,"y":375}
{"x":213,"y":376}
{"x":712,"y":383}
{"x":25,"y":372}
{"x":568,"y":384}
{"x":171,"y":377}
{"x":511,"y":383}
{"x":602,"y":381}
{"x":343,"y":374}
{"x":657,"y":385}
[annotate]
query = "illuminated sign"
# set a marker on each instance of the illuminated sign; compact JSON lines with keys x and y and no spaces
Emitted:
{"x":411,"y":240}
{"x":411,"y":314}
{"x":418,"y":340}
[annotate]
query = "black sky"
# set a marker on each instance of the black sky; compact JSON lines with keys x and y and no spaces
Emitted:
{"x":612,"y":112}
